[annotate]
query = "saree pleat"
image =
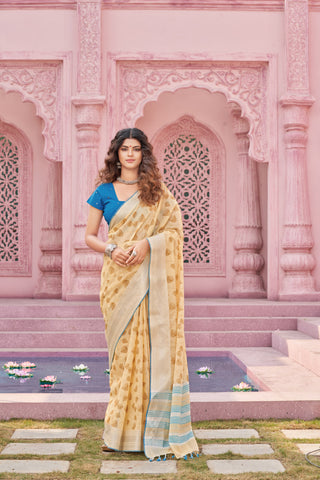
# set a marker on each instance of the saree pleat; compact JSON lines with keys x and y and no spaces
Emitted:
{"x":129,"y":385}
{"x":143,"y":307}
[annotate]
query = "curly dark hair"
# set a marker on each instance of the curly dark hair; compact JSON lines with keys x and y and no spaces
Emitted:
{"x":150,"y":182}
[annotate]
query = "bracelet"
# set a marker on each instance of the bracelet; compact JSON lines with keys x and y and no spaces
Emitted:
{"x":109,"y":249}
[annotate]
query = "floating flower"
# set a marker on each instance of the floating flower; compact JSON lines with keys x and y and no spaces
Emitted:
{"x":204,"y":372}
{"x":243,"y":387}
{"x":12,"y":372}
{"x":80,"y":368}
{"x":48,"y":382}
{"x":23,"y":373}
{"x":107,"y":371}
{"x":28,"y":365}
{"x":10,"y":365}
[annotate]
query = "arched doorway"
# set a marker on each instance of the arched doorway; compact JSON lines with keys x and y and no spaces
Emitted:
{"x":196,"y":142}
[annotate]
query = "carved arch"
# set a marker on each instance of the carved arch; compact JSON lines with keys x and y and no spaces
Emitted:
{"x":15,"y":202}
{"x":192,"y":159}
{"x":241,"y":82}
{"x":38,"y":82}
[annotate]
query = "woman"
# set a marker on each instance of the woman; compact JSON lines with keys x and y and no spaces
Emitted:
{"x":142,"y":301}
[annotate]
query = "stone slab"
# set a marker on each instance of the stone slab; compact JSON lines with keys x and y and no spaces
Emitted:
{"x":39,"y":449}
{"x":237,"y":448}
{"x":309,"y":447}
{"x":128,"y":467}
{"x":226,"y":433}
{"x":33,"y":466}
{"x":306,"y":434}
{"x":25,"y":433}
{"x":302,"y":433}
{"x":231,"y":467}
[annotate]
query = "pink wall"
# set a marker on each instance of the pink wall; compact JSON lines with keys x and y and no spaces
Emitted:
{"x":22,"y":116}
{"x":88,"y":44}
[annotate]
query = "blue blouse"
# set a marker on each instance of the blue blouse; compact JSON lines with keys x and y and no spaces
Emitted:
{"x":105,"y":198}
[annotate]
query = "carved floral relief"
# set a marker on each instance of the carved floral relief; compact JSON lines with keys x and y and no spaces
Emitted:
{"x":40,"y":83}
{"x":143,"y":81}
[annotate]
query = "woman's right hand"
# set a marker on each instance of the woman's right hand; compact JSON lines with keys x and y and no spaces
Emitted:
{"x":120,"y":257}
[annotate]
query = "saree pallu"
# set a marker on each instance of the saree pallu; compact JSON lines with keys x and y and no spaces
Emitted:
{"x":143,"y":308}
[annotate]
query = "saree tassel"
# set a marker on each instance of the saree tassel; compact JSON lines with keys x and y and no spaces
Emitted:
{"x":186,"y":457}
{"x":165,"y":458}
{"x":159,"y":458}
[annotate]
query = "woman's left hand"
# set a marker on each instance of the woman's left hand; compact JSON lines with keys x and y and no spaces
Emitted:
{"x":141,"y":249}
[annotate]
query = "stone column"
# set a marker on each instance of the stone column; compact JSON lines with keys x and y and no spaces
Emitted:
{"x":297,"y":261}
{"x":50,"y":263}
{"x":248,"y":261}
{"x":88,"y":104}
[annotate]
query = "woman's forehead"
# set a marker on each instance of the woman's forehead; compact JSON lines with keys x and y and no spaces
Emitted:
{"x":131,"y":142}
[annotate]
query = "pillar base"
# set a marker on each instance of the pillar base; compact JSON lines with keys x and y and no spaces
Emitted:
{"x":300,"y":297}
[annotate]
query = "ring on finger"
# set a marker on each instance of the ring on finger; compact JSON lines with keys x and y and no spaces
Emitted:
{"x":134,"y":253}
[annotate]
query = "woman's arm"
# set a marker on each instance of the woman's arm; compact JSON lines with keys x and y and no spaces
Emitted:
{"x":91,"y":235}
{"x":119,"y":256}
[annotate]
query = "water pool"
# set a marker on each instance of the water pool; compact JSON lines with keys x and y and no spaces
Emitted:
{"x":226,"y":374}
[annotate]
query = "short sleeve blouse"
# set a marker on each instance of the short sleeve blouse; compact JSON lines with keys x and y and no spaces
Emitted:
{"x":105,"y":198}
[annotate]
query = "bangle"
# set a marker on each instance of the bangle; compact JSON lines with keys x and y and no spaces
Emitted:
{"x":109,"y":249}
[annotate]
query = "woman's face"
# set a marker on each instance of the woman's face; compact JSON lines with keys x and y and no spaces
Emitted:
{"x":130,"y":154}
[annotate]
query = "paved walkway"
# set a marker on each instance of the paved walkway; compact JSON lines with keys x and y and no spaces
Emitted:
{"x":56,"y":446}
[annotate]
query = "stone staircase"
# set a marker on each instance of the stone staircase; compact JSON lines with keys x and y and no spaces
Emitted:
{"x":301,"y":345}
{"x":35,"y":325}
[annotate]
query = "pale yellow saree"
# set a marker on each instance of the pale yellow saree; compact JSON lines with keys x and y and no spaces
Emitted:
{"x":143,"y":308}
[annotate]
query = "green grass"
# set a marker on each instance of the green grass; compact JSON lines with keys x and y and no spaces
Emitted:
{"x":86,"y":461}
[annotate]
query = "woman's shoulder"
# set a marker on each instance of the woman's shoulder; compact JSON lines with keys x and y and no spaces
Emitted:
{"x":105,"y":189}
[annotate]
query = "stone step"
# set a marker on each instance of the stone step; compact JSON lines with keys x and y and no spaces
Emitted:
{"x":28,"y":339}
{"x":39,"y":448}
{"x":239,"y":323}
{"x":194,"y":307}
{"x":245,"y":449}
{"x":21,"y":308}
{"x":33,"y":466}
{"x":96,"y":339}
{"x":228,"y":339}
{"x":233,"y":467}
{"x":88,"y":324}
{"x":309,"y":326}
{"x":134,"y":467}
{"x":299,"y":347}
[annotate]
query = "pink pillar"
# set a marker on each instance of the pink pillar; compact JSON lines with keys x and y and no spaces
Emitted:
{"x":297,"y":261}
{"x":86,"y":263}
{"x":248,"y":262}
{"x":89,"y":103}
{"x":50,"y":263}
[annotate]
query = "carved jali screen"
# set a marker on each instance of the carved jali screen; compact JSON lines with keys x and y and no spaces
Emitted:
{"x":15,"y":203}
{"x":192,"y":161}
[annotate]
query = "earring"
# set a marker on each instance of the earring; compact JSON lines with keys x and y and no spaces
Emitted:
{"x":118,"y":164}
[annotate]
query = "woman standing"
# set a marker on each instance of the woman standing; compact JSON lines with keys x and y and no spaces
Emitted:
{"x":142,"y":300}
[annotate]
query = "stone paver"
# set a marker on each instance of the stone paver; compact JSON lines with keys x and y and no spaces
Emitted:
{"x":237,"y":448}
{"x":33,"y":466}
{"x":25,"y":433}
{"x":229,"y":467}
{"x":303,"y":433}
{"x":226,"y":433}
{"x":138,"y":467}
{"x":39,"y":449}
{"x":309,"y":447}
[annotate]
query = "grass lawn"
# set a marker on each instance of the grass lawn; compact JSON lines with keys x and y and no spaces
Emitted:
{"x":86,"y":461}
